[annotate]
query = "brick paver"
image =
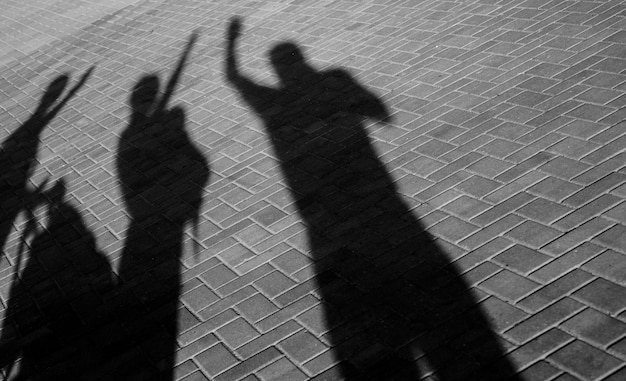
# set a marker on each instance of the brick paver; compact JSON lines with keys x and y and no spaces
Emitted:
{"x":476,"y":231}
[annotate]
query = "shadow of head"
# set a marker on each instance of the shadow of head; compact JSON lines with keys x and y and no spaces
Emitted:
{"x":57,"y":193}
{"x":54,"y":91}
{"x":288,"y":61}
{"x":145,"y":93}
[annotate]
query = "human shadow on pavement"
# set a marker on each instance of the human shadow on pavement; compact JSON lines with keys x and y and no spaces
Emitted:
{"x":54,"y":304}
{"x":18,"y":152}
{"x":394,"y":306}
{"x":162,"y":176}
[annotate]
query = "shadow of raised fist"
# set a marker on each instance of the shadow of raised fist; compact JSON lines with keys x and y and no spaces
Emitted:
{"x":234,"y":28}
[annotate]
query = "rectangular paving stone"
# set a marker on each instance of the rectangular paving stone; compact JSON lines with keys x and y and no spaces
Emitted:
{"x":195,"y":376}
{"x":500,"y":148}
{"x":480,"y":273}
{"x":434,"y":148}
{"x":283,"y":370}
{"x":555,"y":290}
{"x":223,"y":304}
{"x":252,"y":235}
{"x":604,"y":295}
{"x":584,"y":360}
{"x":529,"y":98}
{"x":610,"y":265}
{"x":199,"y":298}
{"x":244,"y":280}
{"x":442,"y":185}
{"x":482,"y":253}
{"x":564,"y":168}
{"x":537,"y":84}
{"x":564,"y":262}
{"x":576,"y":237}
{"x":268,"y":339}
{"x":601,"y":170}
{"x":322,"y":365}
{"x":520,"y":114}
{"x":502,"y":209}
{"x":533,"y":234}
{"x":216,"y":359}
{"x":489,"y":167}
{"x":544,"y":211}
{"x":274,"y":283}
{"x":611,"y":139}
{"x":595,"y":327}
{"x":478,"y":186}
{"x":236,"y":333}
{"x":614,"y":237}
{"x":605,"y":80}
{"x":539,"y":144}
{"x":582,"y":129}
{"x":218,"y":276}
{"x":422,"y":166}
{"x":541,"y":370}
{"x":186,"y":369}
{"x":509,"y":285}
{"x":465,"y":207}
{"x":524,"y":166}
{"x":205,"y":328}
{"x":620,"y":374}
{"x":521,"y":259}
{"x":573,"y":148}
{"x":594,"y":190}
{"x":453,"y":229}
{"x":487,"y":233}
{"x":261,"y":259}
{"x":291,"y":261}
{"x":302,"y":346}
{"x":540,"y":322}
{"x":189,"y":350}
{"x":539,"y":347}
{"x":586,"y":212}
{"x":287,"y":313}
{"x":250,"y":365}
{"x":256,"y":308}
{"x":513,"y":187}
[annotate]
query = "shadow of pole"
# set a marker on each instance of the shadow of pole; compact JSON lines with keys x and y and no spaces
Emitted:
{"x":394,"y":307}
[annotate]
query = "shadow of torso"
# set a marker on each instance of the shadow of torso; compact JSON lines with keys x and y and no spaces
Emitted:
{"x":58,"y":301}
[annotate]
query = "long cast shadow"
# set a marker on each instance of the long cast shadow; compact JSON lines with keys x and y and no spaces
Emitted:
{"x":162,"y":176}
{"x":393,"y":308}
{"x":19,"y":151}
{"x":17,"y":161}
{"x":51,"y":314}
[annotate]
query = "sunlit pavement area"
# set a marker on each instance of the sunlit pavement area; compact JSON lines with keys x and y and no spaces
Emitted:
{"x":431,"y":190}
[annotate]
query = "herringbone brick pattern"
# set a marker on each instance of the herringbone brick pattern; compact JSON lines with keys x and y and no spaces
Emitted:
{"x":507,"y":142}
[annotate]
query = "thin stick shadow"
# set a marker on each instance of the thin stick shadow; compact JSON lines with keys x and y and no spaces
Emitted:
{"x":394,"y":306}
{"x":162,"y":176}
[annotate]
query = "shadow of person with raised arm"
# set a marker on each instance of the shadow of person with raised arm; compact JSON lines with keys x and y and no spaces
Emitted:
{"x":394,"y":306}
{"x":19,"y":152}
{"x":51,"y":314}
{"x":162,"y":176}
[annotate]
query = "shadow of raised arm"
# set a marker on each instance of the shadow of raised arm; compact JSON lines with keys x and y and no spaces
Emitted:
{"x":50,"y":115}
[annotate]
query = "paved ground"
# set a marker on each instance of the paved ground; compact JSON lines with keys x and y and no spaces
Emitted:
{"x":470,"y":224}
